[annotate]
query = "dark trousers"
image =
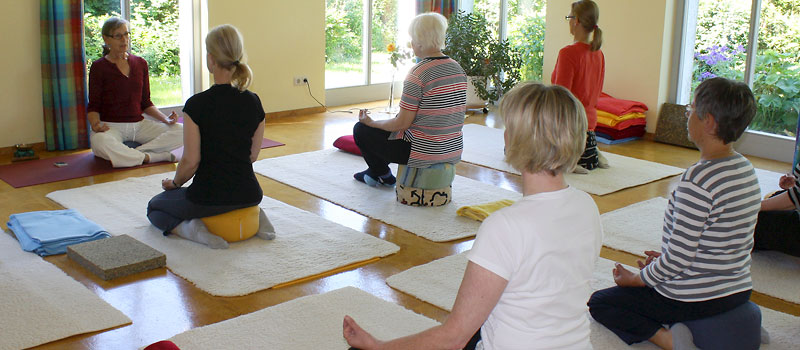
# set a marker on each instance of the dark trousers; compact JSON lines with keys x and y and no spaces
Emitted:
{"x":778,"y":230}
{"x":169,"y":208}
{"x":378,"y":151}
{"x":473,"y":342}
{"x":589,"y":159}
{"x":634,"y":314}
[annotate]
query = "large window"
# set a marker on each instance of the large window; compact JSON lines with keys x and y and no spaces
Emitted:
{"x":357,"y":34}
{"x":156,"y":35}
{"x":521,"y":22}
{"x":755,"y":41}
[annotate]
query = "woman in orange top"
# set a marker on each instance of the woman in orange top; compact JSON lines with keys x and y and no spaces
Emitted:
{"x":580,"y":67}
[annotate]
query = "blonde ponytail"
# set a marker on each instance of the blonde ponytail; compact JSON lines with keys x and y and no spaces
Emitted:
{"x":587,"y":13}
{"x":226,"y":45}
{"x":597,"y":39}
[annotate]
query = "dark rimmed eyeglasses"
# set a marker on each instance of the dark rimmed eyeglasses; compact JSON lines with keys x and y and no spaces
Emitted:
{"x":568,"y":17}
{"x":120,"y":35}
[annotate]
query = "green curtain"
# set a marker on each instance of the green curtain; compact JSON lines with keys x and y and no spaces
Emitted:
{"x":63,"y":74}
{"x":445,"y":7}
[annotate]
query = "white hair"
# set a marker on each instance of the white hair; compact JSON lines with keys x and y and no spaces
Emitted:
{"x":428,"y":30}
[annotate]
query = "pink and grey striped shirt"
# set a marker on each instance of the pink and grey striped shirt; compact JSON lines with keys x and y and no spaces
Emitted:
{"x":436,"y":89}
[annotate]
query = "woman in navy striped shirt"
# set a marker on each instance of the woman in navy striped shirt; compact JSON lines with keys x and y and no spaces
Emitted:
{"x":703,"y":268}
{"x":778,"y":225}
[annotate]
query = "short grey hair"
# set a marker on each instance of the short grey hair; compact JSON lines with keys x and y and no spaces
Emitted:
{"x":428,"y":30}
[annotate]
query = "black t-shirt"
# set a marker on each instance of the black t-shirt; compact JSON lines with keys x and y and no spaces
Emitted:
{"x":227,"y":119}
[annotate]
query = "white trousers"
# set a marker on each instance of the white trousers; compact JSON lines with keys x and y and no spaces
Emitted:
{"x":155,"y":137}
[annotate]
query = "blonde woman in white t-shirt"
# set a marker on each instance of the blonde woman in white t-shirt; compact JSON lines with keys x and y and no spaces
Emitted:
{"x":527,"y":279}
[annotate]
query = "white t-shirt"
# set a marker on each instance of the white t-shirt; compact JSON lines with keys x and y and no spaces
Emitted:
{"x":545,"y":246}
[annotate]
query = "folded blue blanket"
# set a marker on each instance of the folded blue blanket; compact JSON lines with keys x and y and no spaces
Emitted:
{"x":50,"y":232}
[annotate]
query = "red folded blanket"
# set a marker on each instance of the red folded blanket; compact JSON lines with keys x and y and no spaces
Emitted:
{"x":619,"y":106}
{"x":633,"y":131}
{"x":625,"y":124}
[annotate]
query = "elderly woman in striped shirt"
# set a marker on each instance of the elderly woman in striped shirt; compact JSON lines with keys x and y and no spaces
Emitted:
{"x":703,"y":268}
{"x":427,"y":130}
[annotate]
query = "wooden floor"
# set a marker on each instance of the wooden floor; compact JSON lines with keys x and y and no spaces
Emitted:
{"x":162,"y":304}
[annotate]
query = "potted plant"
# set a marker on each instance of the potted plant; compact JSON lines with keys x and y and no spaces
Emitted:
{"x":492,"y":65}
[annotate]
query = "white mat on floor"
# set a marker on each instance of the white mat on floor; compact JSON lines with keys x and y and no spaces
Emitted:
{"x":437,"y":283}
{"x":768,"y":181}
{"x":306,"y":244}
{"x":311,"y":322}
{"x":638,"y":227}
{"x":484,"y":146}
{"x":329,"y":174}
{"x":39,"y":303}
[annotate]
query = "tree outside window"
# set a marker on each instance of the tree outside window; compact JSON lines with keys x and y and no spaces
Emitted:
{"x":154,"y":37}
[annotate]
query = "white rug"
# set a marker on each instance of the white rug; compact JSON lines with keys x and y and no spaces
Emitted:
{"x":311,"y":322}
{"x":39,"y":303}
{"x":306,"y":244}
{"x":638,"y":227}
{"x":768,"y":181}
{"x":484,"y":146}
{"x":329,"y":174}
{"x":437,"y":283}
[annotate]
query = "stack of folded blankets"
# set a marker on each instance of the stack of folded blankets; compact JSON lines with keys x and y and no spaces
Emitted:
{"x":50,"y":232}
{"x":619,"y":120}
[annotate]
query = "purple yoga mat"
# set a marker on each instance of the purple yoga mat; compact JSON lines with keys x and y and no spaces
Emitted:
{"x":35,"y":172}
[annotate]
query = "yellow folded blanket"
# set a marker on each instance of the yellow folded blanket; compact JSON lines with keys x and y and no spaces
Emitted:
{"x":482,"y":211}
{"x":611,"y":119}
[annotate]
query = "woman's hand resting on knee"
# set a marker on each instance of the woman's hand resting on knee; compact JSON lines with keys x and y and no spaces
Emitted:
{"x":169,"y":184}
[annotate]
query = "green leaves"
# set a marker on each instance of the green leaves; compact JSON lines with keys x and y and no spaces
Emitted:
{"x":776,"y":80}
{"x":469,"y":42}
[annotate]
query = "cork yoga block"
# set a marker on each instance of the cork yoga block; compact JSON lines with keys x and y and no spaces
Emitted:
{"x":115,"y":257}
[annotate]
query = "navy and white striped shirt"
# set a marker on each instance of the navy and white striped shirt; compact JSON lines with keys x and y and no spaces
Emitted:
{"x":794,"y":192}
{"x":708,"y":232}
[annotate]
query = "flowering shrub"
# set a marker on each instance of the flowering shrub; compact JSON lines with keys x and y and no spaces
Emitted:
{"x":722,"y":29}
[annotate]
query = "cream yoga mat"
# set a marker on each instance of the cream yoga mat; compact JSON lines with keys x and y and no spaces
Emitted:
{"x":39,"y":303}
{"x":329,"y":174}
{"x":484,"y":146}
{"x":437,"y":283}
{"x":768,"y":180}
{"x":638,"y":227}
{"x":311,"y":322}
{"x":306,"y":244}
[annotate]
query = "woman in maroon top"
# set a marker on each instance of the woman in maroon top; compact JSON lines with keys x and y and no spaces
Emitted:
{"x":119,"y":92}
{"x":580,"y":67}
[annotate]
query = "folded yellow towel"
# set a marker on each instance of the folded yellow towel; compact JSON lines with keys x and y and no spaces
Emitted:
{"x":482,"y":211}
{"x":611,"y":119}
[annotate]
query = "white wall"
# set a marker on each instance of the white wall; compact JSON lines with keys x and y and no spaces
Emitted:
{"x":21,"y":118}
{"x":283,"y":39}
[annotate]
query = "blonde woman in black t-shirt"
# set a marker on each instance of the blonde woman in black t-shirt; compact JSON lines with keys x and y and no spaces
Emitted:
{"x":223,"y":128}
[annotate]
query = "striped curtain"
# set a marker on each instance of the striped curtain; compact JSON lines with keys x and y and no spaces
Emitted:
{"x":63,"y":74}
{"x":445,"y":7}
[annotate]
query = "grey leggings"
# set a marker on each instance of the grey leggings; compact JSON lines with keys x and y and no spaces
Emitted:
{"x":169,"y":208}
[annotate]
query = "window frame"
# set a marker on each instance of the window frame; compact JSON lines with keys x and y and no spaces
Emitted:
{"x":192,"y":57}
{"x":368,"y":91}
{"x":752,"y":142}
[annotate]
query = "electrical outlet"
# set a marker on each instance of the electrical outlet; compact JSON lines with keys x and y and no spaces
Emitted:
{"x":300,"y":80}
